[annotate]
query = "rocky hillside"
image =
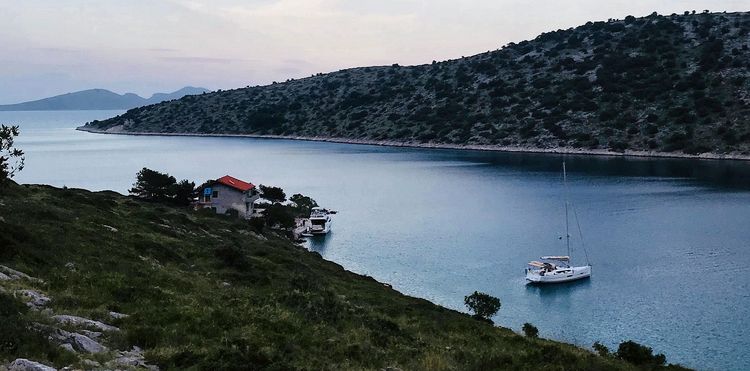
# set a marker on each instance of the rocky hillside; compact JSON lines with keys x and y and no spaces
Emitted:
{"x":675,"y":83}
{"x":102,"y":281}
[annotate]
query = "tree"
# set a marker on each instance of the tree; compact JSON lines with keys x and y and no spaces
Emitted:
{"x":601,"y":349}
{"x":273,"y":194}
{"x":153,"y":185}
{"x":484,"y":306}
{"x":304,"y":204}
{"x":11,"y":158}
{"x":530,"y":330}
{"x":184,"y":192}
{"x":639,"y":355}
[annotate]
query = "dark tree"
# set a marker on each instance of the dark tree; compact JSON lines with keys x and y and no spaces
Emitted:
{"x":184,"y":191}
{"x":530,"y":330}
{"x":639,"y":355}
{"x":601,"y":349}
{"x":11,"y":158}
{"x":153,"y":185}
{"x":484,"y":306}
{"x":273,"y":194}
{"x":304,"y":204}
{"x":279,"y":215}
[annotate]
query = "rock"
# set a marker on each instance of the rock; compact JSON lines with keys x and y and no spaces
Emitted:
{"x":4,"y":277}
{"x":116,"y":315}
{"x":68,"y":347}
{"x":92,"y":334}
{"x":16,"y":275}
{"x":37,"y":300}
{"x":70,"y":266}
{"x":226,"y":284}
{"x":133,"y":358}
{"x":84,"y":322}
{"x":78,"y":342}
{"x":110,"y":228}
{"x":23,"y":364}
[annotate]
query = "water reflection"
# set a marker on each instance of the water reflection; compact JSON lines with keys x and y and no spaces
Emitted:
{"x":551,"y":293}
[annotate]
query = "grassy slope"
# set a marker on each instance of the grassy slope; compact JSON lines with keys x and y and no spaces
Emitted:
{"x":284,"y":307}
{"x":659,"y":83}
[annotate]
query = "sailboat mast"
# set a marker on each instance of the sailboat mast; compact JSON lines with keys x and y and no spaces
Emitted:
{"x":567,"y":227}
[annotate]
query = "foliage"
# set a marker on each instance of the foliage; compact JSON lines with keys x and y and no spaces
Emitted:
{"x":11,"y":158}
{"x":282,"y":307}
{"x":639,"y":355}
{"x":601,"y":349}
{"x":303,"y":204}
{"x":483,"y":305}
{"x":596,"y":86}
{"x":279,"y":215}
{"x":530,"y":330}
{"x":273,"y":194}
{"x":152,"y":185}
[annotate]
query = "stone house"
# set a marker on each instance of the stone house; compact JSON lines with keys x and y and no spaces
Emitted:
{"x":227,"y":195}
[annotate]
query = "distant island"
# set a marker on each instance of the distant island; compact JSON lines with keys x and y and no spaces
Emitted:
{"x":99,"y":99}
{"x":673,"y":85}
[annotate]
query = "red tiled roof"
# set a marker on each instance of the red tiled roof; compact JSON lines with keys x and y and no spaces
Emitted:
{"x":235,"y":183}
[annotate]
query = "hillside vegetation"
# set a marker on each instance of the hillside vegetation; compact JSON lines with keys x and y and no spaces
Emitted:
{"x":200,"y":291}
{"x":674,"y":83}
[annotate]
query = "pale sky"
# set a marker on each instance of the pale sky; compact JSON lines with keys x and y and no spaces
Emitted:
{"x":144,"y":46}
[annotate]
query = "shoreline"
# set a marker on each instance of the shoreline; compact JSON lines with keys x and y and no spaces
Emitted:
{"x":470,"y":147}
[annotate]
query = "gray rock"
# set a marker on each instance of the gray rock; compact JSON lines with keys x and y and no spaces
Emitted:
{"x":23,"y":364}
{"x":133,"y":358}
{"x":68,"y":347}
{"x":16,"y":275}
{"x":4,"y":277}
{"x":37,"y":300}
{"x":91,"y":334}
{"x":116,"y":315}
{"x":78,"y":342}
{"x":84,"y":322}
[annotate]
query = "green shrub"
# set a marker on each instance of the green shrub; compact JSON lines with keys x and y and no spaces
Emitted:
{"x":530,"y":330}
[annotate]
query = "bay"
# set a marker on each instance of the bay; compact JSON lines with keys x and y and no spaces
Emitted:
{"x":668,"y":238}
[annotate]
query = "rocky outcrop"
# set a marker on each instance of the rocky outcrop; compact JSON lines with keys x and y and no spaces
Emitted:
{"x":84,"y":322}
{"x":12,"y":275}
{"x":133,"y":358}
{"x":23,"y":364}
{"x":78,"y":342}
{"x":36,"y":300}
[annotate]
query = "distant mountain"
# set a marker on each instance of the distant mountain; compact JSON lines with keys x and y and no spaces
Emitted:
{"x":676,"y":83}
{"x":98,"y":99}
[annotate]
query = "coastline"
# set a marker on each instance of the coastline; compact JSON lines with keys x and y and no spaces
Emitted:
{"x":470,"y":147}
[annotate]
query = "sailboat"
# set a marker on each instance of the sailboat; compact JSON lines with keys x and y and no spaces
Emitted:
{"x":559,"y":268}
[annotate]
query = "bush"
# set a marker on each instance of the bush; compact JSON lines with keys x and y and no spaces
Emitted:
{"x":639,"y":355}
{"x":274,"y":194}
{"x":9,"y":154}
{"x":601,"y":349}
{"x":530,"y":330}
{"x":484,"y":306}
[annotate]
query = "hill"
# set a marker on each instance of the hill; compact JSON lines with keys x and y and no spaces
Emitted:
{"x":98,"y":99}
{"x":201,"y":291}
{"x":676,"y":84}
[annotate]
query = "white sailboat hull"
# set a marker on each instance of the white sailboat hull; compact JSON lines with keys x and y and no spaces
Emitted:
{"x":558,"y":275}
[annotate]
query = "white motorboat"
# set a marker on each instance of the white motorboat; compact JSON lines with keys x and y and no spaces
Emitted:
{"x":555,"y":269}
{"x":320,"y":221}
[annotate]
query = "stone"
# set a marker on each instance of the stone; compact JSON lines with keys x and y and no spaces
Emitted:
{"x":4,"y":277}
{"x":133,"y":358}
{"x":110,"y":228}
{"x":117,"y":315}
{"x":84,"y":322}
{"x":70,"y":266}
{"x":91,"y":334}
{"x":22,"y":364}
{"x":68,"y":347}
{"x":78,"y":342}
{"x":16,"y":275}
{"x":37,"y":300}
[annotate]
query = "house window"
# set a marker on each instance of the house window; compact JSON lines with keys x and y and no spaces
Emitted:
{"x":215,"y":194}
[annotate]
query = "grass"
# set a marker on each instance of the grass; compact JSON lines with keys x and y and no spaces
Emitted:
{"x":207,"y":292}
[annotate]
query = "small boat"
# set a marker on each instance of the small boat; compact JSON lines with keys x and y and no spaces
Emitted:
{"x":555,"y":269}
{"x":320,"y":221}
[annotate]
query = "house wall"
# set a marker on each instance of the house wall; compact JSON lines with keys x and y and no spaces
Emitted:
{"x":229,"y":198}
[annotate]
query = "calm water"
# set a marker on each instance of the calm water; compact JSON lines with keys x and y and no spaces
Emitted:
{"x":669,"y":240}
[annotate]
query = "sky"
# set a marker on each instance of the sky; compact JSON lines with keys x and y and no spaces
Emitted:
{"x":51,"y":47}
